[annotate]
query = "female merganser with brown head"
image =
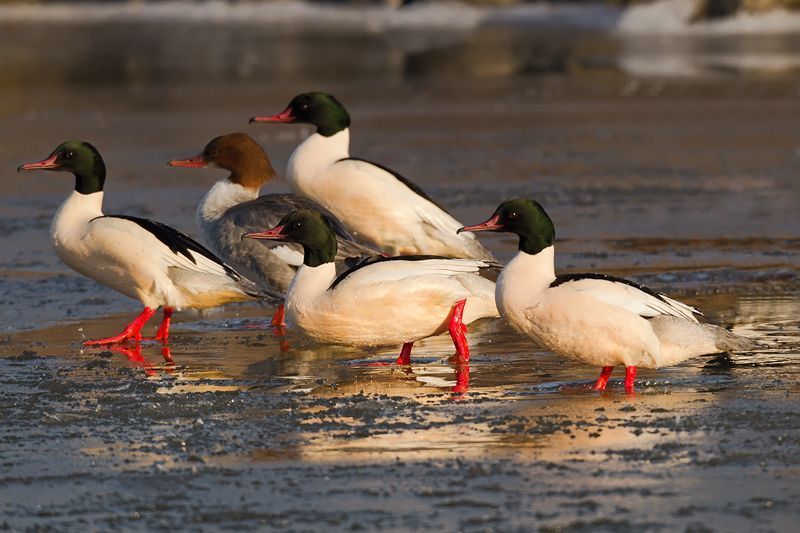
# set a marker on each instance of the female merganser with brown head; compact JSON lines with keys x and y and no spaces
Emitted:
{"x":378,"y":205}
{"x":233,"y":207}
{"x":384,"y":301}
{"x":140,"y":258}
{"x":593,"y":318}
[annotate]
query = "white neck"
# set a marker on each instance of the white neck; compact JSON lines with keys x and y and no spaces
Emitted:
{"x":307,"y":287}
{"x":314,"y":154}
{"x":73,"y":216}
{"x":524,"y":278}
{"x":221,"y":197}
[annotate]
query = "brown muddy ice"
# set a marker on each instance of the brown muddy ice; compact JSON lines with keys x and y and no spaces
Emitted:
{"x":686,"y":183}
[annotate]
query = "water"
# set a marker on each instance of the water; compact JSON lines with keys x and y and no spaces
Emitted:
{"x":681,"y":178}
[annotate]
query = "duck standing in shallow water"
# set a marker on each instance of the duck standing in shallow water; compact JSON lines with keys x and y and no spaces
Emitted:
{"x":384,"y":301}
{"x":233,"y":207}
{"x":140,"y":258}
{"x":593,"y":318}
{"x":378,"y":205}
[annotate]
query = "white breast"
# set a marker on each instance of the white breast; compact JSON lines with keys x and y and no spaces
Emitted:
{"x":69,"y":232}
{"x":314,"y":155}
{"x":222,"y":196}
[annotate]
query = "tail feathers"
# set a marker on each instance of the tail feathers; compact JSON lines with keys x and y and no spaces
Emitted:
{"x":251,"y":289}
{"x":681,"y":339}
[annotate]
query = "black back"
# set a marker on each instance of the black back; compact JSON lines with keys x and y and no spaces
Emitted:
{"x":380,"y":259}
{"x":176,"y":241}
{"x":566,"y":278}
{"x":490,"y":272}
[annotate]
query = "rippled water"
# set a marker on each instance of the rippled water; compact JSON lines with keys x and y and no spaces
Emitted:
{"x":684,"y":181}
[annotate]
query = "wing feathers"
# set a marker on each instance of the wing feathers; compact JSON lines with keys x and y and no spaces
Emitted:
{"x":627,"y":294}
{"x":383,"y":269}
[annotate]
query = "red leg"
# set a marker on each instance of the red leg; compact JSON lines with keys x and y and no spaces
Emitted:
{"x":279,"y":318}
{"x":133,"y":331}
{"x":601,"y":382}
{"x":169,"y":364}
{"x":462,"y":379}
{"x":134,"y":355}
{"x":630,"y":377}
{"x":458,"y":331}
{"x":279,"y":327}
{"x":166,"y":353}
{"x":405,"y":354}
{"x":163,"y":330}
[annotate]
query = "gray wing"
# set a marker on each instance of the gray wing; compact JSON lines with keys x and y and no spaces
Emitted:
{"x":273,"y":263}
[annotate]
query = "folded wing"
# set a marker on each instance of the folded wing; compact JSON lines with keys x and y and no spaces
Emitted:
{"x":628,"y":295}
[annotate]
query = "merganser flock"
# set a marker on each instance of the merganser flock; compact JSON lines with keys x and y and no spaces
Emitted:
{"x":361,"y":256}
{"x":233,"y":208}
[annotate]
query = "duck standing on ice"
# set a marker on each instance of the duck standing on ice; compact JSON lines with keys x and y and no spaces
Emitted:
{"x":140,"y":258}
{"x":593,"y":318}
{"x":384,"y":301}
{"x":377,"y":205}
{"x":233,"y":207}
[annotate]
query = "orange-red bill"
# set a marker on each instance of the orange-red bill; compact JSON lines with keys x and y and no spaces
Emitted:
{"x":271,"y":234}
{"x":198,"y":161}
{"x":284,"y":117}
{"x":492,"y":224}
{"x":49,"y":163}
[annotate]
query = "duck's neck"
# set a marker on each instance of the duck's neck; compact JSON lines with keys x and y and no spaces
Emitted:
{"x":221,"y":197}
{"x":75,"y":212}
{"x":525,"y":276}
{"x":314,"y":154}
{"x":309,"y":284}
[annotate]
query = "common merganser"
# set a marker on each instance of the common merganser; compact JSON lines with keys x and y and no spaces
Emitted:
{"x":593,"y":318}
{"x":383,"y":301}
{"x":140,"y":258}
{"x":378,"y":205}
{"x":233,"y":207}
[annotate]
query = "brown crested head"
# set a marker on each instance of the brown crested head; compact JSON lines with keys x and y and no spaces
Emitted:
{"x":243,"y":157}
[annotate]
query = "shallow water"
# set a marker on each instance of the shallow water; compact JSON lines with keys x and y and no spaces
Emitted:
{"x":687,"y":183}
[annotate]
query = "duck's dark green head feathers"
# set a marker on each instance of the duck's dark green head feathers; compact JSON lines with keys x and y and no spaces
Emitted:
{"x":78,"y":157}
{"x":524,"y":217}
{"x":309,"y":228}
{"x":320,"y":109}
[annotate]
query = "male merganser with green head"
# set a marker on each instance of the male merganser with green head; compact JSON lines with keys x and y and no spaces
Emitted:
{"x":233,"y":207}
{"x":140,"y":258}
{"x":594,"y":318}
{"x":383,"y":301}
{"x":376,"y":204}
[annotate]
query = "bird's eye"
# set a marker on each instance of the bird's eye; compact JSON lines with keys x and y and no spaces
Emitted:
{"x":304,"y":107}
{"x":512,"y":215}
{"x":69,"y":155}
{"x":213,"y":153}
{"x":297,"y":225}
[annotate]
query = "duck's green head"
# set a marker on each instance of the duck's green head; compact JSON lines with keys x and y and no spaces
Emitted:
{"x":320,"y":109}
{"x":78,"y":157}
{"x":524,"y":217}
{"x":309,"y":228}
